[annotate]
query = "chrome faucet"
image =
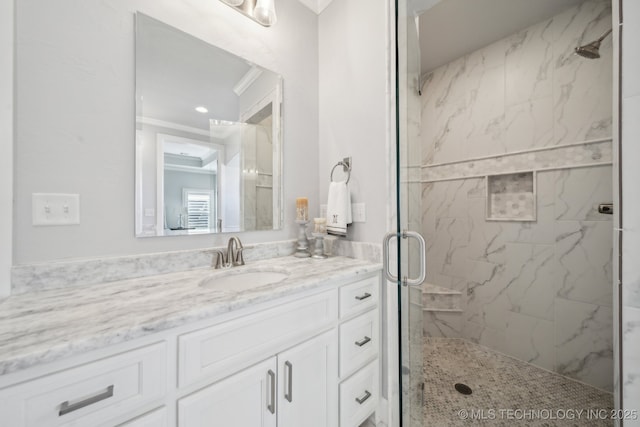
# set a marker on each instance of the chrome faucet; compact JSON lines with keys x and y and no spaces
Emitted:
{"x":232,"y":258}
{"x":234,"y":252}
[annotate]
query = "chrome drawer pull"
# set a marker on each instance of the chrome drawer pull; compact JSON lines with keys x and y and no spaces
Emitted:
{"x":365,"y":296}
{"x":362,"y":399}
{"x":363,"y":341}
{"x":271,"y":406}
{"x":289,"y":393}
{"x":66,"y":408}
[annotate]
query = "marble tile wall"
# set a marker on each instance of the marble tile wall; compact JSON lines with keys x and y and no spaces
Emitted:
{"x":542,"y":290}
{"x":526,"y":91}
{"x":539,"y":291}
{"x":558,"y":157}
{"x":631,"y":209}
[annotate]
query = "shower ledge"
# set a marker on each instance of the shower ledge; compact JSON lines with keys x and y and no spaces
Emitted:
{"x":437,"y":298}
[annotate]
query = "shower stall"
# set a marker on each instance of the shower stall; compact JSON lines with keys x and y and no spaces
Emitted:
{"x":505,"y":167}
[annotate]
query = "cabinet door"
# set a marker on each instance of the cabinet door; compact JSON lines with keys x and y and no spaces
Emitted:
{"x":246,"y":399}
{"x":308,"y":378}
{"x":157,"y":418}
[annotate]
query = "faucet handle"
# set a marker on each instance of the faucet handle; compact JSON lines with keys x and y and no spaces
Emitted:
{"x":218,"y":259}
{"x":239,"y":257}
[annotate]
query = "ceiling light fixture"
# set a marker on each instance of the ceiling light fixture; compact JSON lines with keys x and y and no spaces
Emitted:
{"x":261,"y":11}
{"x":202,"y":109}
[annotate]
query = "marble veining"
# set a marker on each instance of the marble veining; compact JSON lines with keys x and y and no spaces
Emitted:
{"x":78,"y":272}
{"x":539,"y":290}
{"x":560,"y":157}
{"x":514,"y":276}
{"x":631,"y":359}
{"x":366,"y":251}
{"x":528,"y":90}
{"x":40,"y":327}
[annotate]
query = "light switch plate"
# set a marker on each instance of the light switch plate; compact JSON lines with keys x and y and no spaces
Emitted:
{"x":55,"y":209}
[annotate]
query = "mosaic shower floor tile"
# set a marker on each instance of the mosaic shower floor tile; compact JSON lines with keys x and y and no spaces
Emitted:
{"x":505,"y":391}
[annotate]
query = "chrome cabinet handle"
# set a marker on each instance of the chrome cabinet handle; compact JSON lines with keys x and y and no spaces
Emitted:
{"x":66,"y":407}
{"x":289,"y":392}
{"x":362,"y":399}
{"x":365,"y":296}
{"x":363,"y":341}
{"x":271,"y":406}
{"x":423,"y":261}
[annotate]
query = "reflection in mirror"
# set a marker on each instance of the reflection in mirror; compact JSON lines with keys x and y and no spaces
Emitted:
{"x":208,"y":137}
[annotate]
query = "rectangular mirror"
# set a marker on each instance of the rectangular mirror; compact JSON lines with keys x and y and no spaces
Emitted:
{"x":208,"y":137}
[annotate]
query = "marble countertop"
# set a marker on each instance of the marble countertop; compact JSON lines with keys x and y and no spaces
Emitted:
{"x":45,"y":326}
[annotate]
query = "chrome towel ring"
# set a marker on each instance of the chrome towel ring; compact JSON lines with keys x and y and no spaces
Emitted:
{"x":346,"y":167}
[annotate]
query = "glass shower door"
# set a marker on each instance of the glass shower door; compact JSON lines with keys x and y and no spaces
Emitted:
{"x":410,"y":246}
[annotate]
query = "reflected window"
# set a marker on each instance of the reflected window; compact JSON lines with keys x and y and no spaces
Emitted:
{"x":198,"y":205}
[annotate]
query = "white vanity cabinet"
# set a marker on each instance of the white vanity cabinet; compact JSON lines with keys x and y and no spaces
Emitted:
{"x":246,"y":399}
{"x":359,"y":351}
{"x":307,"y":379}
{"x":88,"y":395}
{"x":295,"y":388}
{"x":308,"y":359}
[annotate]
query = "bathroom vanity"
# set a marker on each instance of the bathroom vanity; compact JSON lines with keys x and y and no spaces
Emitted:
{"x":191,"y":348}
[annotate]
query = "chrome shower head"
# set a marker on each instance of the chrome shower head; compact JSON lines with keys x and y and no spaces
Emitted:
{"x":591,"y":50}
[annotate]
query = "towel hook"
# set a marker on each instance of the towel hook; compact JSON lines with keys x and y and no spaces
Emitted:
{"x":346,"y":167}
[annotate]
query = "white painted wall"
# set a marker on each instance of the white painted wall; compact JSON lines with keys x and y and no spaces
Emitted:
{"x":354,"y":109}
{"x":75,"y":114}
{"x":6,"y":143}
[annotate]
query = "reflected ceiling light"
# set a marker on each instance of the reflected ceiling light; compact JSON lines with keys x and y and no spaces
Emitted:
{"x":261,"y":11}
{"x":202,"y":109}
{"x":265,"y":12}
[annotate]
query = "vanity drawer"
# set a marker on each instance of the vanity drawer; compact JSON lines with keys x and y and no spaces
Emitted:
{"x":359,"y":296}
{"x":358,"y":342}
{"x":219,"y":351}
{"x":359,"y":396}
{"x":88,"y":395}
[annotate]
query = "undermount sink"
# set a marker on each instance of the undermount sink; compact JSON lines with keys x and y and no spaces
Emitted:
{"x":243,"y":279}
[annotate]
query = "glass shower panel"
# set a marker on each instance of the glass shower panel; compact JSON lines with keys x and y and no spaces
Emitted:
{"x":409,"y":215}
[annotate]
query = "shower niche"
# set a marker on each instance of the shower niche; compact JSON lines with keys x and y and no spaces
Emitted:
{"x":511,"y":197}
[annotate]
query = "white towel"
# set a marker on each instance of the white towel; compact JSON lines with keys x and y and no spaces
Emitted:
{"x":338,"y":208}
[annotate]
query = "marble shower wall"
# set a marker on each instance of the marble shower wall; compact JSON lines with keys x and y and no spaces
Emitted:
{"x":526,"y":91}
{"x":539,"y":290}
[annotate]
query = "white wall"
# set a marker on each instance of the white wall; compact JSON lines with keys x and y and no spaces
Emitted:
{"x":75,"y":114}
{"x":6,"y":143}
{"x":354,"y":114}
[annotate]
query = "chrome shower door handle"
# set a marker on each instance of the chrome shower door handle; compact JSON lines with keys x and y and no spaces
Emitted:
{"x":385,"y":255}
{"x":423,"y":258}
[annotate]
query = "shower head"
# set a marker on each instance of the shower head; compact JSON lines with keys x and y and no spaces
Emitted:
{"x":592,"y":50}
